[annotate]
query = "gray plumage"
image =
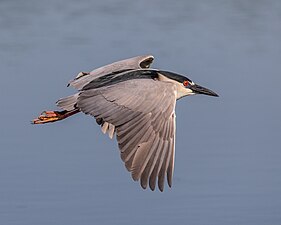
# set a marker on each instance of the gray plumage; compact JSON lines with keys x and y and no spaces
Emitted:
{"x":143,"y":120}
{"x":139,"y":62}
{"x":138,"y":105}
{"x":144,"y":125}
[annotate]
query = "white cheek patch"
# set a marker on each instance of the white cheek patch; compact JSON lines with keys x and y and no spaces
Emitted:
{"x":183,"y":91}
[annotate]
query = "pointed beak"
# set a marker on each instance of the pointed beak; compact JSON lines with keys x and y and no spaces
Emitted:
{"x":197,"y":89}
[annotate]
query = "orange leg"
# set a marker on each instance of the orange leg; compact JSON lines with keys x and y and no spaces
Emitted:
{"x":53,"y":116}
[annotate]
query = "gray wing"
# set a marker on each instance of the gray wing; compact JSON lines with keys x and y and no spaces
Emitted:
{"x":143,"y":113}
{"x":138,"y":62}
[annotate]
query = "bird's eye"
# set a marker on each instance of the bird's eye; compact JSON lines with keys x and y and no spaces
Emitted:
{"x":185,"y":83}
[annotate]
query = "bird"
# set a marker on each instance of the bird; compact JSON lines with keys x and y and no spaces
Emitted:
{"x":135,"y":103}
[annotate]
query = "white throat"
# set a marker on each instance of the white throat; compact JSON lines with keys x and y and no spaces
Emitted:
{"x":180,"y":89}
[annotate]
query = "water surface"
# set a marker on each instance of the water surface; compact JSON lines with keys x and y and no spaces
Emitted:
{"x":227,"y":149}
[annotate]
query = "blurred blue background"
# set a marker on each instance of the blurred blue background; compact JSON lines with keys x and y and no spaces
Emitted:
{"x":228,"y":154}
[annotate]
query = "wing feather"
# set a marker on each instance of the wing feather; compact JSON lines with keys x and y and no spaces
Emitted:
{"x":170,"y":168}
{"x":154,"y":166}
{"x":141,"y":112}
{"x":127,"y":154}
{"x":147,"y":171}
{"x":137,"y":62}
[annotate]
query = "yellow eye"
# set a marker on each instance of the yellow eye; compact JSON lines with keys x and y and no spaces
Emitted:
{"x":185,"y":83}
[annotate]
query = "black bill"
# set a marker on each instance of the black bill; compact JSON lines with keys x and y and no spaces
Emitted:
{"x":201,"y":90}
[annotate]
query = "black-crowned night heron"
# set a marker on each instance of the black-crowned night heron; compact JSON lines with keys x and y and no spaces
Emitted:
{"x":136,"y":103}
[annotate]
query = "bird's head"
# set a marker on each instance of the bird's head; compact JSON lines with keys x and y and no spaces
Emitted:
{"x":185,"y":86}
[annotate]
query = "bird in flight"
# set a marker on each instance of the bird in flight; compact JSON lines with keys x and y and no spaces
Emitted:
{"x":137,"y":103}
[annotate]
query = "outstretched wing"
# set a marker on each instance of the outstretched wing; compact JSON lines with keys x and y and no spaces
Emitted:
{"x":143,"y":113}
{"x":138,"y":62}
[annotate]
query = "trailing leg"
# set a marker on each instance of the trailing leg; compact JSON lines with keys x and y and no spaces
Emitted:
{"x":53,"y":116}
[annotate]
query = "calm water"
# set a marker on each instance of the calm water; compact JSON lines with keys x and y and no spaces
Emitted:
{"x":228,"y":149}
